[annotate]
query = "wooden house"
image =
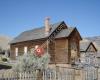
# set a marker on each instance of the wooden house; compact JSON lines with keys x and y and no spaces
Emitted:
{"x":63,"y":47}
{"x":87,"y":49}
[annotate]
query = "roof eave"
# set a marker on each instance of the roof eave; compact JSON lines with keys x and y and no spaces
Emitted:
{"x":28,"y":40}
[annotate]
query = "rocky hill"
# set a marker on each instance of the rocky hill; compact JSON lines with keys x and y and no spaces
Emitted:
{"x":4,"y":42}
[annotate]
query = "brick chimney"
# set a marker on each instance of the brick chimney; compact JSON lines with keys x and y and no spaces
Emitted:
{"x":47,"y":26}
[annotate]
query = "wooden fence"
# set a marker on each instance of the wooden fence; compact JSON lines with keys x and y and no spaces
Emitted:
{"x":50,"y":74}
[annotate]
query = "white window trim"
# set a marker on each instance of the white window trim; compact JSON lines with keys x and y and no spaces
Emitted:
{"x":16,"y":51}
{"x":25,"y":49}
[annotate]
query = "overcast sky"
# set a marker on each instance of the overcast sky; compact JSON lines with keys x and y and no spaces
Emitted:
{"x":17,"y":16}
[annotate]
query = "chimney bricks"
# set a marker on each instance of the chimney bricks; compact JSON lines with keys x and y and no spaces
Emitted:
{"x":47,"y":26}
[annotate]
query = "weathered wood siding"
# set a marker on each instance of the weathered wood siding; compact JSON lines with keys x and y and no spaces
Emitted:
{"x":58,"y":49}
{"x":61,"y":50}
{"x":21,"y":45}
{"x":74,"y":45}
{"x":52,"y":51}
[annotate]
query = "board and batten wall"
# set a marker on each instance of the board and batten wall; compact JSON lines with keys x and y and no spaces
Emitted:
{"x":58,"y":49}
{"x":61,"y":50}
{"x":21,"y":46}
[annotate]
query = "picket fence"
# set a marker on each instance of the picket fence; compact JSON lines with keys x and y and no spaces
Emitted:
{"x":38,"y":75}
{"x":61,"y":74}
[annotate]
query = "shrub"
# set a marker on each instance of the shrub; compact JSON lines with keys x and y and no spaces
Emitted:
{"x":4,"y":59}
{"x":31,"y":62}
{"x":5,"y":66}
{"x":0,"y":58}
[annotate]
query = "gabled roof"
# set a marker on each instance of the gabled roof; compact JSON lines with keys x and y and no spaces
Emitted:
{"x":84,"y":45}
{"x":39,"y":33}
{"x":65,"y":32}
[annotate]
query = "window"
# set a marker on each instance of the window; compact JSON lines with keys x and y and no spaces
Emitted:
{"x":25,"y":50}
{"x":16,"y":52}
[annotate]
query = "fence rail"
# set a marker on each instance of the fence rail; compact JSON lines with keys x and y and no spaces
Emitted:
{"x":61,"y":74}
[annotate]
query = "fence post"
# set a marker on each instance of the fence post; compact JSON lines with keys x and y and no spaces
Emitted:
{"x":43,"y":75}
{"x":17,"y":75}
{"x":2,"y":76}
{"x":55,"y":75}
{"x":97,"y":73}
{"x":74,"y":74}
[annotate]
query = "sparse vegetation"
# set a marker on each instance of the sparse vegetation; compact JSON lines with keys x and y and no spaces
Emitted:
{"x":4,"y":62}
{"x":31,"y":62}
{"x":3,"y":58}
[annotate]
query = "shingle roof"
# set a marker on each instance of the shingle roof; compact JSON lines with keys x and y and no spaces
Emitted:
{"x":39,"y":33}
{"x":65,"y":32}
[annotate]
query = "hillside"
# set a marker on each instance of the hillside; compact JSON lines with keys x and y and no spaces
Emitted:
{"x":4,"y":40}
